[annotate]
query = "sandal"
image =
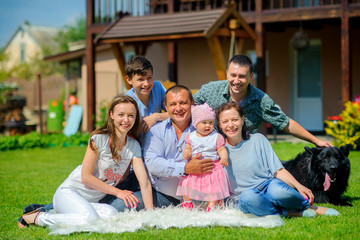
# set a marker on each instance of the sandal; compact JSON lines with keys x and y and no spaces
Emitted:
{"x":32,"y":207}
{"x":22,"y":222}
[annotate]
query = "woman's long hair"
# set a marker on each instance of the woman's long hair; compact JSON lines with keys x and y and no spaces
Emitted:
{"x":226,"y":106}
{"x":109,"y":127}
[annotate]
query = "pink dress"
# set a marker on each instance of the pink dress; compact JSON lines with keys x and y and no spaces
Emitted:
{"x":206,"y":187}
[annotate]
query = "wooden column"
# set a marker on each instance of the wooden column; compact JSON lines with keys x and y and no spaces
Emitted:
{"x":40,"y":102}
{"x":217,"y":57}
{"x":260,"y":55}
{"x":120,"y":58}
{"x":91,"y":30}
{"x":260,"y":47}
{"x":172,"y":68}
{"x":345,"y":53}
{"x":90,"y":63}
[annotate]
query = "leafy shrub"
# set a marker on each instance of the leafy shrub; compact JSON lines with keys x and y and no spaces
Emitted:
{"x":103,"y":108}
{"x":9,"y":143}
{"x":347,"y":129}
{"x":36,"y":140}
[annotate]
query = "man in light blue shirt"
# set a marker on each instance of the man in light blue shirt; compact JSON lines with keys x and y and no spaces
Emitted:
{"x":162,"y":151}
{"x":163,"y":156}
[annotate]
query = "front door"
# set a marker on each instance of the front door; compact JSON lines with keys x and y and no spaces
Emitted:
{"x":307,"y":79}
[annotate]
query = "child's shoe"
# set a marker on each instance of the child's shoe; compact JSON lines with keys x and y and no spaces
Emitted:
{"x":187,"y":205}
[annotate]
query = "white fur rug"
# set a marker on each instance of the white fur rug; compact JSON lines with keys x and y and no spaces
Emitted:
{"x":171,"y":217}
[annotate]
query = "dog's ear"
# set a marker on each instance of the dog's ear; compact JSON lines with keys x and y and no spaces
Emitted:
{"x":345,"y":149}
{"x":313,"y":151}
{"x":308,"y":150}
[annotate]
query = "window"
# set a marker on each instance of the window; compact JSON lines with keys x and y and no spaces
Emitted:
{"x":22,"y":52}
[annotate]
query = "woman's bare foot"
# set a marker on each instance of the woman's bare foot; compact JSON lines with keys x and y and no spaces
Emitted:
{"x":306,"y":213}
{"x":325,"y":211}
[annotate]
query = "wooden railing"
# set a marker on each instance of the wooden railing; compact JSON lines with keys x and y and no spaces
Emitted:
{"x":107,"y":10}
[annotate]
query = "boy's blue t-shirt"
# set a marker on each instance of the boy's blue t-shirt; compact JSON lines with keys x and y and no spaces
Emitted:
{"x":156,"y":104}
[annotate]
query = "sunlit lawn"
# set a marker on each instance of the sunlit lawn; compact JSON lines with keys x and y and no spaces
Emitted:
{"x":32,"y":176}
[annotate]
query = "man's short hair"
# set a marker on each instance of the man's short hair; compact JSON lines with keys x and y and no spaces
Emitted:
{"x":177,"y":89}
{"x":242,"y":60}
{"x":138,"y":65}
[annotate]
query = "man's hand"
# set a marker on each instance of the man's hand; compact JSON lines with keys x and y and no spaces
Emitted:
{"x":321,"y":143}
{"x":199,"y":166}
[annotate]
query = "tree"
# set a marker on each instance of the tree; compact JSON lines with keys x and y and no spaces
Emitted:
{"x":4,"y":74}
{"x":28,"y":70}
{"x":36,"y":65}
{"x":72,"y":33}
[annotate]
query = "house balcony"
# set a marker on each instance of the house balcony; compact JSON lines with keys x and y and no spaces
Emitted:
{"x":106,"y":11}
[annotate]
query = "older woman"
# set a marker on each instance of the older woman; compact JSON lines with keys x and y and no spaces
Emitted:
{"x":259,"y":183}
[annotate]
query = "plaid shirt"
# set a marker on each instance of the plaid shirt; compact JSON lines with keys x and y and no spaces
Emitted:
{"x":257,"y":105}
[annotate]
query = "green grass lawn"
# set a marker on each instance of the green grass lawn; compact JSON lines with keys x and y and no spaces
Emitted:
{"x":32,"y":176}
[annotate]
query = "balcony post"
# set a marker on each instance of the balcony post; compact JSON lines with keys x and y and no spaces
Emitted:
{"x":345,"y":54}
{"x":260,"y":47}
{"x":172,"y":69}
{"x":90,"y":63}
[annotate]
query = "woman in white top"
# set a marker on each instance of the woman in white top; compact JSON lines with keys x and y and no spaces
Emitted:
{"x":110,"y":151}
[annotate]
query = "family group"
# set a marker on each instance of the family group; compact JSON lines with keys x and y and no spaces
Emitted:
{"x":163,"y":147}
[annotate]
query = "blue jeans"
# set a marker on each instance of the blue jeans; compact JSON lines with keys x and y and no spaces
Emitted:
{"x":159,"y":200}
{"x":272,"y":197}
{"x":131,"y":183}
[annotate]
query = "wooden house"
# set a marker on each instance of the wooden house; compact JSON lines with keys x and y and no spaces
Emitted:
{"x":189,"y":42}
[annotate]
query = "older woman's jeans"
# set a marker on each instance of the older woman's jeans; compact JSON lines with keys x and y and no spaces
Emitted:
{"x":272,"y":197}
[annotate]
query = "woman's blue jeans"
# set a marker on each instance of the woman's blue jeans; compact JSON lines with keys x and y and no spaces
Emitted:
{"x":272,"y":197}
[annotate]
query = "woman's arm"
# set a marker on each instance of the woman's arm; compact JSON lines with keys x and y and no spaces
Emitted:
{"x":287,"y":178}
{"x":88,"y":179}
{"x":145,"y":186}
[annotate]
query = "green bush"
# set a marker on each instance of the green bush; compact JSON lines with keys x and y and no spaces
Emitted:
{"x":36,"y":140}
{"x":103,"y":108}
{"x":347,"y":129}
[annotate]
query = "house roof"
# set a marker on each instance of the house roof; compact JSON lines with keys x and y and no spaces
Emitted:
{"x":43,"y":36}
{"x":74,"y":55}
{"x":66,"y":56}
{"x":169,"y":26}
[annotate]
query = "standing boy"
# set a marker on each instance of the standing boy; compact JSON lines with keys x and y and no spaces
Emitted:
{"x":148,"y":94}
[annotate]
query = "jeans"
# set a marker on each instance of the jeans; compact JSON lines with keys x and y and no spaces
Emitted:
{"x":272,"y":197}
{"x":132,"y":184}
{"x":159,"y":200}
